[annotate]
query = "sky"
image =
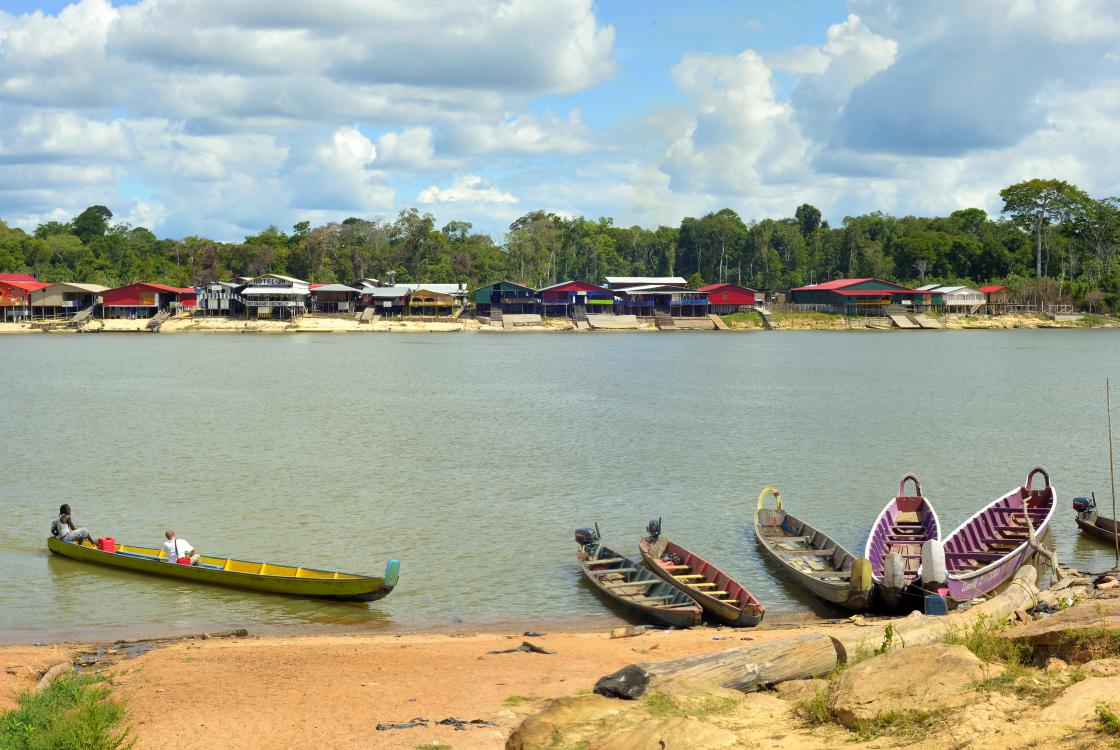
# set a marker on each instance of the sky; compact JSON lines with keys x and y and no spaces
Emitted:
{"x":218,"y":118}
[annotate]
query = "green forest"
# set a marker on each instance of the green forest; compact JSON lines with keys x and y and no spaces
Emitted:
{"x":1051,"y":242}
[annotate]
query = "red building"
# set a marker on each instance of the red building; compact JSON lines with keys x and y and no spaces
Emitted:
{"x":15,"y":297}
{"x":144,"y":300}
{"x":17,"y":277}
{"x":563,"y":299}
{"x":724,"y":299}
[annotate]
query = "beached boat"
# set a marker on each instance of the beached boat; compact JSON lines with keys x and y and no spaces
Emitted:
{"x":223,"y":571}
{"x":984,"y":552}
{"x":1092,"y":523}
{"x":721,"y":596}
{"x":811,"y":558}
{"x":894,"y":547}
{"x":635,"y":590}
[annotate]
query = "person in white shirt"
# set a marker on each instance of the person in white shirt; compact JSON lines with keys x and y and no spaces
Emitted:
{"x":176,"y":548}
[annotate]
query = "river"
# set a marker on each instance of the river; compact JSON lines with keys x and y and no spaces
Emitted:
{"x":473,"y":457}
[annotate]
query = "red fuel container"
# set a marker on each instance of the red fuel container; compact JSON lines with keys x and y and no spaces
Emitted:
{"x":107,"y":544}
{"x":184,"y":561}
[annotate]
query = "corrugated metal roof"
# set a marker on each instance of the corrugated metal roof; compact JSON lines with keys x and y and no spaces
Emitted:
{"x":385,"y":292}
{"x":992,"y":288}
{"x":438,"y":288}
{"x":274,"y":290}
{"x":92,"y":288}
{"x":17,"y":277}
{"x":645,"y":280}
{"x":332,"y":288}
{"x":278,"y":276}
{"x":722,"y":285}
{"x":27,"y":286}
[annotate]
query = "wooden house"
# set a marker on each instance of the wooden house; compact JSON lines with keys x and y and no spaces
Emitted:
{"x":506,"y":297}
{"x":724,"y":299}
{"x":575,"y":299}
{"x":957,"y":298}
{"x":388,"y":301}
{"x":65,"y":298}
{"x":275,"y":296}
{"x":15,"y":298}
{"x":996,"y":297}
{"x":646,"y":300}
{"x":623,"y":282}
{"x":431,"y":303}
{"x":861,"y":296}
{"x":333,"y":298}
{"x":144,"y":300}
{"x":219,"y":298}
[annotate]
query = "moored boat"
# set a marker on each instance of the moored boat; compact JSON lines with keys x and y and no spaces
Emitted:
{"x":1092,"y":522}
{"x":894,"y":547}
{"x":225,"y":571}
{"x":812,"y":558}
{"x":985,"y":551}
{"x":721,"y":596}
{"x":633,"y":589}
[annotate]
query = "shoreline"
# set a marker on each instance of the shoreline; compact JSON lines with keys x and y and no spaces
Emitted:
{"x":186,"y":323}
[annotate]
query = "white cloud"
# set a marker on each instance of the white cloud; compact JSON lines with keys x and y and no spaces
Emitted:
{"x":466,"y":189}
{"x":519,"y":134}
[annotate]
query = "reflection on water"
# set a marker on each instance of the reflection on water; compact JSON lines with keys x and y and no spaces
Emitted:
{"x":473,"y":458}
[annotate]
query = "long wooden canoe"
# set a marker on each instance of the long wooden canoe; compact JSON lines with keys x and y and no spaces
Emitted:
{"x":721,"y":596}
{"x":225,"y":571}
{"x":902,"y":527}
{"x":626,"y":584}
{"x":811,"y":558}
{"x":1092,"y":522}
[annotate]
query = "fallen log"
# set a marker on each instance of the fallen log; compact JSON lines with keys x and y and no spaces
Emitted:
{"x":812,"y":654}
{"x":53,"y":674}
{"x":742,"y":668}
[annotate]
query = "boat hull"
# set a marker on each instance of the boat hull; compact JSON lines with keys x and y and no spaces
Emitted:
{"x":630,"y":591}
{"x":315,"y":585}
{"x":1098,"y":526}
{"x":985,"y":551}
{"x":748,"y":613}
{"x":901,"y":528}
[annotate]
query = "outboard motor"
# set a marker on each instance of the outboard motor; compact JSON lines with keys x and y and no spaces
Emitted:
{"x":1083,"y":504}
{"x":586,"y":536}
{"x":653,"y":528}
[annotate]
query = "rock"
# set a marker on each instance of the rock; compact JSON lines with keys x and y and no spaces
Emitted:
{"x":1078,"y":703}
{"x":1102,"y":668}
{"x":629,"y":631}
{"x":1077,"y":634}
{"x":931,"y":677}
{"x":674,"y":733}
{"x":1056,"y":665}
{"x":558,"y":717}
{"x":800,"y":690}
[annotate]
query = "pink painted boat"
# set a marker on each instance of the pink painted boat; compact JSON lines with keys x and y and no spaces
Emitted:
{"x":985,"y":551}
{"x":903,"y":526}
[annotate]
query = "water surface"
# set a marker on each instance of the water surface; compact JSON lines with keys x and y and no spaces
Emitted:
{"x":472,"y":457}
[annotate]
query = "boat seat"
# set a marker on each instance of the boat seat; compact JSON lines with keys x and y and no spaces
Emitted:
{"x":653,"y":598}
{"x":689,"y":575}
{"x":974,"y":555}
{"x":1010,"y":528}
{"x":605,"y":560}
{"x":676,"y":567}
{"x":715,"y":593}
{"x":701,"y":583}
{"x":821,"y":552}
{"x":623,"y":584}
{"x":605,"y":571}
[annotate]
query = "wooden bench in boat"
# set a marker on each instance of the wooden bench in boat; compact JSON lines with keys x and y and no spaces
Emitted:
{"x":799,"y":552}
{"x":606,"y":561}
{"x":974,"y":555}
{"x":688,"y":575}
{"x":624,"y":584}
{"x":605,"y":571}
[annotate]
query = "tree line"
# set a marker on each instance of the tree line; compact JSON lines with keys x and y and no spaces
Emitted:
{"x":1052,"y":242}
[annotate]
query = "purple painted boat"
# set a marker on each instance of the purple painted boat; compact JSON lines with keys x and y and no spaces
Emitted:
{"x":903,"y":526}
{"x":986,"y":550}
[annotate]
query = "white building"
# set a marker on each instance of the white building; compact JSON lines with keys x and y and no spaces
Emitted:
{"x":956,"y":298}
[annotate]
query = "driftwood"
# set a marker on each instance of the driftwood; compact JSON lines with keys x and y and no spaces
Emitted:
{"x":53,"y":674}
{"x":812,"y":654}
{"x":742,"y":668}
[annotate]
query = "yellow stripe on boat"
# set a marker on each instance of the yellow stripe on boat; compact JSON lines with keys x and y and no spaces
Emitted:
{"x":257,"y":576}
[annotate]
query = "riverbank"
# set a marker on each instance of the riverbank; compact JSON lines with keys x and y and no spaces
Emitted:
{"x":744,"y":321}
{"x":393,"y":691}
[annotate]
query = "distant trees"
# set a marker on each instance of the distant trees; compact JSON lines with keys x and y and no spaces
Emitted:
{"x":1049,"y":227}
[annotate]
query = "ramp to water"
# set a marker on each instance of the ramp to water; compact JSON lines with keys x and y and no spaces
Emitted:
{"x":514,"y":321}
{"x":694,"y":324}
{"x":902,"y":321}
{"x":368,"y":315}
{"x":613,"y":322}
{"x":717,"y":321}
{"x":926,"y":322}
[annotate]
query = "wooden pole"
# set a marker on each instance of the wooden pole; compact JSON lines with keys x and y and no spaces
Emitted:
{"x":1112,"y":467}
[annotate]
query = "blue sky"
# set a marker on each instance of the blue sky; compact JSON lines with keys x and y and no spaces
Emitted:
{"x":213,"y":118}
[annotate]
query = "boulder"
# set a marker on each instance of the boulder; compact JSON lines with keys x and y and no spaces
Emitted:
{"x":1102,"y":668}
{"x":800,"y":690}
{"x":918,"y":678}
{"x":674,"y":733}
{"x":558,"y":718}
{"x":1088,"y":631}
{"x":1078,"y":703}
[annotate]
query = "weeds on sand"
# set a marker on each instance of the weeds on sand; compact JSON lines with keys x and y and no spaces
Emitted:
{"x":433,"y":746}
{"x":1108,"y":722}
{"x":662,"y":705}
{"x":75,"y":713}
{"x":517,"y":700}
{"x":1092,"y":643}
{"x":815,"y":711}
{"x":983,"y":639}
{"x":864,"y":650}
{"x":904,"y":725}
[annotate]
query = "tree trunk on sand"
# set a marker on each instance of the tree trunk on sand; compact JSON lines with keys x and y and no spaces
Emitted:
{"x":811,"y":654}
{"x":1038,"y":249}
{"x":743,"y":668}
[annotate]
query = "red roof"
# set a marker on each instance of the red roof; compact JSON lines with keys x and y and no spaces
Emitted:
{"x":17,"y":277}
{"x":27,"y":286}
{"x":724,"y":285}
{"x":879,"y":292}
{"x":992,"y":288}
{"x":836,"y":284}
{"x":575,"y":286}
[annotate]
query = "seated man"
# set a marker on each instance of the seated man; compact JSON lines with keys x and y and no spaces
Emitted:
{"x":63,"y":528}
{"x":176,"y":548}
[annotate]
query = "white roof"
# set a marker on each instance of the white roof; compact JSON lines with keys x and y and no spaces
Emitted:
{"x":333,"y":288}
{"x":928,"y":287}
{"x":949,"y":289}
{"x":637,"y":280}
{"x":438,"y":288}
{"x":386,"y":292}
{"x":278,"y":291}
{"x":94,"y":288}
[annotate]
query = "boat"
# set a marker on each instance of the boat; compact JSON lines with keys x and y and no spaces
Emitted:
{"x":226,"y":571}
{"x":721,"y":596}
{"x":985,"y":551}
{"x":810,"y":557}
{"x":633,"y":589}
{"x":1092,"y":523}
{"x":894,"y":547}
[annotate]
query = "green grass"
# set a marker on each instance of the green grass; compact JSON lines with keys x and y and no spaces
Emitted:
{"x":742,"y":319}
{"x":1092,"y":643}
{"x":1107,"y":719}
{"x":74,"y":713}
{"x":983,"y":639}
{"x":662,"y":705}
{"x":517,"y":700}
{"x":788,"y":316}
{"x":815,"y":711}
{"x":910,"y":726}
{"x":433,"y":746}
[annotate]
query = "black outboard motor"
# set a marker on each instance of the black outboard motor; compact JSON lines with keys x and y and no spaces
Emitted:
{"x":586,"y":536}
{"x":1083,"y":504}
{"x":653,"y":528}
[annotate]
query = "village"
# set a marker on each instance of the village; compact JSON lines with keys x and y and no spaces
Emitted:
{"x":277,"y":302}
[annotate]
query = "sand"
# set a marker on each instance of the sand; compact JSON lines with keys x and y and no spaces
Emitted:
{"x":332,"y":691}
